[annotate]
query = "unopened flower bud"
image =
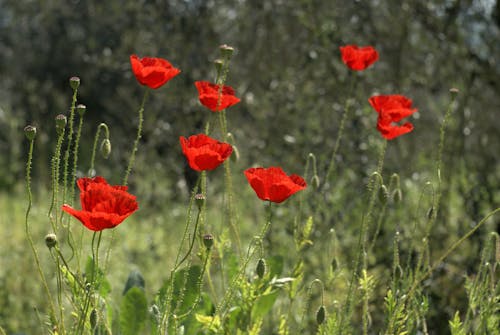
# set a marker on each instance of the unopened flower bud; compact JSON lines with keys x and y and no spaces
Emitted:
{"x":321,"y":315}
{"x":208,"y":241}
{"x":105,"y":148}
{"x":50,"y":240}
{"x":226,"y":51}
{"x":81,"y":109}
{"x":454,"y":91}
{"x":30,"y":132}
{"x":334,"y":265}
{"x":74,"y":82}
{"x":200,"y":200}
{"x":60,"y":123}
{"x":315,"y":181}
{"x":261,"y":267}
{"x":383,"y":194}
{"x":397,"y":195}
{"x":93,"y":319}
{"x":235,"y":156}
{"x":219,"y":63}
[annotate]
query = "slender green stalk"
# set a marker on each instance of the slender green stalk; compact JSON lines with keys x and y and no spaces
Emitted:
{"x":28,"y":233}
{"x":70,"y":139}
{"x":138,"y":137}
{"x":361,"y":246}
{"x":56,"y":159}
{"x":75,"y":157}
{"x":59,"y":291}
{"x":347,"y":105}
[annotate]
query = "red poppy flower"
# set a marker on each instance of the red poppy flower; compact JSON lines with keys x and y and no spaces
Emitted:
{"x":358,"y":58}
{"x":203,"y":152}
{"x":273,"y":183}
{"x":152,"y":72}
{"x":214,"y":100}
{"x":391,"y":109}
{"x":103,"y":205}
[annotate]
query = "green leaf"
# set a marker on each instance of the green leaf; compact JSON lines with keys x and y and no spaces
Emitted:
{"x":102,"y":285}
{"x":275,"y":265}
{"x":263,"y":304}
{"x":133,"y":311}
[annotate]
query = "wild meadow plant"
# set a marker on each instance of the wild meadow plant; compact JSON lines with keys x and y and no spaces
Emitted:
{"x":229,"y":285}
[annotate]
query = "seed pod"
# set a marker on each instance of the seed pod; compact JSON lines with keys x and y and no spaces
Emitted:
{"x":218,"y":65}
{"x":30,"y":132}
{"x":50,"y":240}
{"x":74,"y":82}
{"x":199,"y":198}
{"x":226,"y":51}
{"x":208,"y":241}
{"x":321,"y":315}
{"x":261,"y":268}
{"x":60,"y":123}
{"x":81,"y":109}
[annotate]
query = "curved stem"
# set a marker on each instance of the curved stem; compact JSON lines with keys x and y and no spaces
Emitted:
{"x":138,"y":137}
{"x":75,"y":158}
{"x":96,"y":139}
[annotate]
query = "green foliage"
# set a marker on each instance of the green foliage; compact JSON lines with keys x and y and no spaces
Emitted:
{"x":133,"y":311}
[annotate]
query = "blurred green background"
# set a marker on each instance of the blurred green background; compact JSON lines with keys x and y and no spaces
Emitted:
{"x":293,"y":85}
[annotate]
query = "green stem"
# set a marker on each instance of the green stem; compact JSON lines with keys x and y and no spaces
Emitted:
{"x":75,"y":159}
{"x":56,"y":159}
{"x":70,"y":139}
{"x":138,"y":137}
{"x":28,"y":233}
{"x":347,"y":106}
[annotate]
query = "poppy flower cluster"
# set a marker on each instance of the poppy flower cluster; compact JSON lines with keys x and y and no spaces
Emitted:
{"x":358,"y":58}
{"x":215,"y":97}
{"x":203,"y":152}
{"x":392,"y":109}
{"x":103,"y":205}
{"x":152,"y":72}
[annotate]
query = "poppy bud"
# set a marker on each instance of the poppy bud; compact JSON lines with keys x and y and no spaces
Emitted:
{"x":81,"y":109}
{"x":50,"y":240}
{"x":397,"y":196}
{"x":60,"y":123}
{"x":260,"y":269}
{"x":315,"y":181}
{"x":236,"y":154}
{"x":321,"y":315}
{"x":93,"y":319}
{"x":105,"y":148}
{"x":226,"y":51}
{"x":383,"y":194}
{"x":30,"y":132}
{"x":218,"y":65}
{"x":200,"y":200}
{"x":208,"y":241}
{"x":74,"y":82}
{"x":155,"y":310}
